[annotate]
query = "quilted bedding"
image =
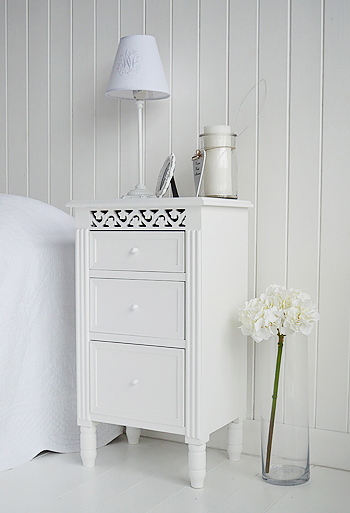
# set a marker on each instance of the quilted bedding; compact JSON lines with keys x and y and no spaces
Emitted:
{"x":37,"y":333}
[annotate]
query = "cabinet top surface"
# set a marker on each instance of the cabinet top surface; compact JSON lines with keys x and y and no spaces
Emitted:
{"x":160,"y":202}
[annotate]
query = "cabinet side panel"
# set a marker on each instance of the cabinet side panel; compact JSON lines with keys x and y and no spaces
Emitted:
{"x":82,"y":322}
{"x":224,"y":291}
{"x":193,"y":334}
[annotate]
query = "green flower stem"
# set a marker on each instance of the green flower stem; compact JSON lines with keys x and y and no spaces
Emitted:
{"x":274,"y":402}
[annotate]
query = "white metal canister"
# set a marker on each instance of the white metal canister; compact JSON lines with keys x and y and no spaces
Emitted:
{"x":220,"y":168}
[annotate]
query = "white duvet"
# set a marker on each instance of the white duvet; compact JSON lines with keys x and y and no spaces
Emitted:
{"x":37,"y":333}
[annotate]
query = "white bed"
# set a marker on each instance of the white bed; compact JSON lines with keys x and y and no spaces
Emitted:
{"x":37,"y":333}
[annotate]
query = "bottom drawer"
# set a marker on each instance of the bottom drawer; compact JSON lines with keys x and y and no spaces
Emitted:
{"x":139,"y":383}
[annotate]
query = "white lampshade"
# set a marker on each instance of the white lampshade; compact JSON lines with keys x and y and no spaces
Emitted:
{"x":137,"y":67}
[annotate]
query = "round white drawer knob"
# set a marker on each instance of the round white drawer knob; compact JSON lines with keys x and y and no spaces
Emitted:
{"x":134,"y":382}
{"x":133,"y":251}
{"x":134,"y":307}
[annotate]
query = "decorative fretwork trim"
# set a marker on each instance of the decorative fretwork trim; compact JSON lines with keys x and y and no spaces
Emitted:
{"x":129,"y":219}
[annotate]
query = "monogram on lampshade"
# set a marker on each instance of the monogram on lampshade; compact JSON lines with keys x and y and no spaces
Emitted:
{"x":137,"y":67}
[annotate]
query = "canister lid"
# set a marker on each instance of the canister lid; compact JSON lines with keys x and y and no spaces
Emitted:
{"x":217,"y":130}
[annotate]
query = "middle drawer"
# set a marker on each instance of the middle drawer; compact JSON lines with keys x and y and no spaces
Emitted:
{"x":137,"y":307}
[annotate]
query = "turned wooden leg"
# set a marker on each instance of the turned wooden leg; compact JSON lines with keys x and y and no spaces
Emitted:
{"x":234,"y":440}
{"x":197,"y":464}
{"x":133,"y":435}
{"x":88,"y":445}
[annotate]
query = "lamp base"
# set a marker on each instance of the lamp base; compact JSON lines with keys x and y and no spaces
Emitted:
{"x":140,"y":191}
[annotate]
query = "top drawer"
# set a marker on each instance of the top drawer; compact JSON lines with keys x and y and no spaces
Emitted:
{"x":137,"y":251}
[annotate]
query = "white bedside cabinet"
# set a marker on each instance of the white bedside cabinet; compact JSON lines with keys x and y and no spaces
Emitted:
{"x":159,"y":283}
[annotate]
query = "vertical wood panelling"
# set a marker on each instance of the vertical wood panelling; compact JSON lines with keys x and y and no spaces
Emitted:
{"x":17,"y":97}
{"x":213,"y":63}
{"x":272,"y":165}
{"x":3,"y":96}
{"x":60,"y":115}
{"x":83,"y":99}
{"x":304,"y":194}
{"x":38,"y":95}
{"x":184,"y":92}
{"x":159,"y":25}
{"x":242,"y":82}
{"x":131,"y":23}
{"x":60,"y":137}
{"x":332,"y":388}
{"x":107,"y":110}
{"x":242,"y":119}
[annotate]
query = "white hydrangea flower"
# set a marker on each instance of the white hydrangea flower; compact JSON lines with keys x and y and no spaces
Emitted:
{"x":278,"y":311}
{"x":301,"y":316}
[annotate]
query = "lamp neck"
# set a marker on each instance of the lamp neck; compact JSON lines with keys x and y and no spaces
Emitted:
{"x":140,"y":119}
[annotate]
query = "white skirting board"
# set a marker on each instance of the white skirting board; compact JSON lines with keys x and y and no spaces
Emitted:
{"x":327,"y":448}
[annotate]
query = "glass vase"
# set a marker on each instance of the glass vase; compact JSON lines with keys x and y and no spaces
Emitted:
{"x":282,"y":382}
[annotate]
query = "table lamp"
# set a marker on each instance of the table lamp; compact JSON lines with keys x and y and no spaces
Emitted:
{"x":138,"y":74}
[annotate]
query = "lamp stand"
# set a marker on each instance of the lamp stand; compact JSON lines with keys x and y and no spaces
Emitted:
{"x":140,"y":191}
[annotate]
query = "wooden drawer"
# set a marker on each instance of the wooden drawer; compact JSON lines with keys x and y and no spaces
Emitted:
{"x":137,"y":307}
{"x":137,"y":251}
{"x":136,"y":382}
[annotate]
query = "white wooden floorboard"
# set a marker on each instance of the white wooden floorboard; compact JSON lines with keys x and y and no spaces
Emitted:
{"x":152,"y":478}
{"x":220,"y":483}
{"x":52,"y":475}
{"x":168,"y":485}
{"x":124,"y":468}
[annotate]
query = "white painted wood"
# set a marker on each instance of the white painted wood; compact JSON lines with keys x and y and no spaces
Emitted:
{"x":243,"y":106}
{"x":243,"y":113}
{"x":17,"y":92}
{"x":132,"y":339}
{"x":139,"y":383}
{"x":148,"y":251}
{"x":223,"y":347}
{"x":83,"y":98}
{"x":142,"y":385}
{"x":293,"y":235}
{"x":60,"y":115}
{"x":133,"y":435}
{"x":333,"y":363}
{"x":213,"y":63}
{"x":135,"y":275}
{"x":193,"y":333}
{"x":127,"y":217}
{"x":185,"y":111}
{"x":235,"y":440}
{"x":88,"y":450}
{"x":137,"y":307}
{"x":304,"y":162}
{"x":127,"y":479}
{"x":273,"y":166}
{"x":146,"y":205}
{"x":242,"y":77}
{"x":158,"y":113}
{"x":3,"y":98}
{"x":197,"y":464}
{"x":39,"y":101}
{"x":272,"y":197}
{"x":82,"y":325}
{"x":107,"y":111}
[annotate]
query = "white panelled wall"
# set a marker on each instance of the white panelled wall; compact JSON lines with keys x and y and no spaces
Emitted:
{"x":277,"y":71}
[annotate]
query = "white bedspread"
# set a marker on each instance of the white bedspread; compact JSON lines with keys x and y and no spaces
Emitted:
{"x":37,"y":333}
